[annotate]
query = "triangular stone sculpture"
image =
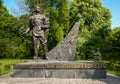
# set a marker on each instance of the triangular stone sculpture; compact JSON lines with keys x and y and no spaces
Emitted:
{"x":65,"y":51}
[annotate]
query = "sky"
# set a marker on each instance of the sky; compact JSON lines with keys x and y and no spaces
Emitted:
{"x":113,"y":5}
{"x":10,"y":4}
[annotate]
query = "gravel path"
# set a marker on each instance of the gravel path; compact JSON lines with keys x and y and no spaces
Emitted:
{"x":7,"y":79}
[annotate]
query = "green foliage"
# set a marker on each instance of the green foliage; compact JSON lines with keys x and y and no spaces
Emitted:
{"x":92,"y":15}
{"x":112,"y":47}
{"x":5,"y":18}
{"x":6,"y":26}
{"x":55,"y":36}
{"x":44,"y":5}
{"x":12,"y":44}
{"x":113,"y":67}
{"x":6,"y":65}
{"x":115,"y":35}
{"x":95,"y":24}
{"x":1,"y":1}
{"x":63,"y":18}
{"x":59,"y":21}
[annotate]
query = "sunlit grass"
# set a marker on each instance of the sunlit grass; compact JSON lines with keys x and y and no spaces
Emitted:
{"x":6,"y":65}
{"x":113,"y":68}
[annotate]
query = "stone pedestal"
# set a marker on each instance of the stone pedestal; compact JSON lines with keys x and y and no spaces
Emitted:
{"x":60,"y":69}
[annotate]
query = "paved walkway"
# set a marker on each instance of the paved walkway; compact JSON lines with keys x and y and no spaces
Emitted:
{"x":7,"y":79}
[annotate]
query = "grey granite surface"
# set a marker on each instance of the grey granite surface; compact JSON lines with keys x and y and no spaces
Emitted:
{"x":60,"y":69}
{"x":66,"y":50}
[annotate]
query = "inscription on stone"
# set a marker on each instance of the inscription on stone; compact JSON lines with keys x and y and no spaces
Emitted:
{"x":62,"y":66}
{"x":73,"y":36}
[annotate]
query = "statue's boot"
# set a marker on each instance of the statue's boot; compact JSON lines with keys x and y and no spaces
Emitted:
{"x":45,"y":51}
{"x":35,"y":57}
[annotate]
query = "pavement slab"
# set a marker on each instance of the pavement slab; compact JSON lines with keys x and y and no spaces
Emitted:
{"x":7,"y":79}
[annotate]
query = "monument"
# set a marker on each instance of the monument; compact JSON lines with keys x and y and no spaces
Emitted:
{"x":60,"y":63}
{"x":38,"y":24}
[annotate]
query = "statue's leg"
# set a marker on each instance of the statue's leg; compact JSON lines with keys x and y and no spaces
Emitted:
{"x":36,"y":46}
{"x":44,"y":46}
{"x":45,"y":50}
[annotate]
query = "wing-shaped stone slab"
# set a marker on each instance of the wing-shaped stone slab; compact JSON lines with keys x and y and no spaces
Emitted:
{"x":65,"y":51}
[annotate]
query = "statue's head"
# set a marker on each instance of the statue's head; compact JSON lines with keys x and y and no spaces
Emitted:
{"x":37,"y":9}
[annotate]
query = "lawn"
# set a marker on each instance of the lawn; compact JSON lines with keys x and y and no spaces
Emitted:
{"x":113,"y":67}
{"x":6,"y":65}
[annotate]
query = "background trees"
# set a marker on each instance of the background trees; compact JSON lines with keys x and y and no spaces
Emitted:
{"x":96,"y":38}
{"x":12,"y":44}
{"x":6,"y":26}
{"x":113,"y":46}
{"x":95,"y":26}
{"x":59,"y":21}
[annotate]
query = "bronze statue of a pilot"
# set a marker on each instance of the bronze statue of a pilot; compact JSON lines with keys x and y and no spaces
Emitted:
{"x":38,"y":23}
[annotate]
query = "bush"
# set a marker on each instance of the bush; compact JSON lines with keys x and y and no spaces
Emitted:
{"x":90,"y":53}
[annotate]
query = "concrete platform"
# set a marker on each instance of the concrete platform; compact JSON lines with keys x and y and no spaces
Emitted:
{"x":59,"y":69}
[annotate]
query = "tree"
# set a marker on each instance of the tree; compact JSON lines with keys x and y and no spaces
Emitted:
{"x":95,"y":23}
{"x":92,"y":15}
{"x":111,"y":50}
{"x":115,"y":43}
{"x":6,"y":27}
{"x":12,"y":44}
{"x":115,"y":35}
{"x":59,"y":20}
{"x":42,"y":3}
{"x":63,"y":18}
{"x":1,"y":1}
{"x":7,"y":22}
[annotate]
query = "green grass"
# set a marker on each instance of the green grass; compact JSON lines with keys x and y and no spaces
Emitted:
{"x":115,"y":70}
{"x":6,"y":65}
{"x":113,"y":67}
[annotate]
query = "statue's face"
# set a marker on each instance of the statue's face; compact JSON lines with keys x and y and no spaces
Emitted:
{"x":37,"y":9}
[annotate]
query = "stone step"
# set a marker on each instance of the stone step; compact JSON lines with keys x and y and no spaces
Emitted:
{"x":60,"y":69}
